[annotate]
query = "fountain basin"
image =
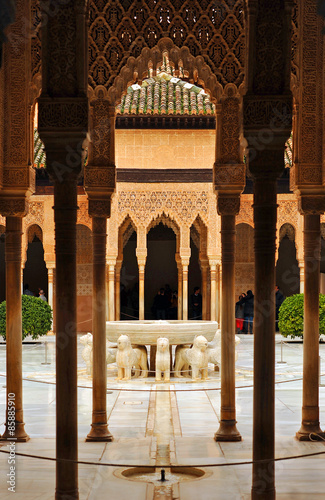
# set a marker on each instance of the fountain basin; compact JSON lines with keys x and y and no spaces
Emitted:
{"x":147,"y":332}
{"x":173,"y":475}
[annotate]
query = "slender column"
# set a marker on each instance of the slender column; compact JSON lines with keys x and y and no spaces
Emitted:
{"x":228,"y":207}
{"x":265,"y":214}
{"x":219,"y":296}
{"x":179,"y":288}
{"x":185,"y":288}
{"x":204,"y":272}
{"x":65,"y":217}
{"x":141,"y":290}
{"x":118,"y":268}
{"x":213,"y":274}
{"x":302,"y":275}
{"x":99,"y":430}
{"x":111,"y":292}
{"x":107,"y":293}
{"x":310,"y":395}
{"x":50,"y":286}
{"x":13,"y":330}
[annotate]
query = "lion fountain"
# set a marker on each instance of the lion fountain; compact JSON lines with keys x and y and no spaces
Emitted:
{"x":197,"y":357}
{"x":163,"y":359}
{"x":128,"y":358}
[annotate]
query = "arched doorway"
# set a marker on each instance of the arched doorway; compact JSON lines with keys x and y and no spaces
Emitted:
{"x":35,"y":271}
{"x":287,"y":268}
{"x":161,"y":267}
{"x":129,"y":277}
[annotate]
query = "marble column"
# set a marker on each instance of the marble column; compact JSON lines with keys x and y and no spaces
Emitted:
{"x":179,"y":288}
{"x":65,"y":218}
{"x":99,"y":430}
{"x":13,"y":331}
{"x":213,"y":274}
{"x":228,"y":208}
{"x":141,"y":291}
{"x":111,"y":292}
{"x":302,"y":275}
{"x":204,"y":272}
{"x":310,"y":395}
{"x":185,"y":264}
{"x":50,"y":286}
{"x":118,"y":268}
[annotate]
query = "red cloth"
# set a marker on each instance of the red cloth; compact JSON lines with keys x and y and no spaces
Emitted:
{"x":239,"y":324}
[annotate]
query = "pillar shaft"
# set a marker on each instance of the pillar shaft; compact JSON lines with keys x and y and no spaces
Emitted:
{"x":180,"y":293}
{"x":118,"y":291}
{"x":204,"y":272}
{"x":14,"y":331}
{"x":213,"y":273}
{"x":228,"y":430}
{"x":265,"y":215}
{"x":50,"y":286}
{"x":310,"y":397}
{"x":185,"y":291}
{"x":65,"y":218}
{"x":111,"y":292}
{"x":99,"y":430}
{"x":141,"y":291}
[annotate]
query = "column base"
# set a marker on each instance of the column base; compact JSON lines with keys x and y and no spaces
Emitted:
{"x":99,"y":433}
{"x":69,"y":494}
{"x":259,"y":494}
{"x":310,"y":431}
{"x":227,"y":431}
{"x":19,"y":436}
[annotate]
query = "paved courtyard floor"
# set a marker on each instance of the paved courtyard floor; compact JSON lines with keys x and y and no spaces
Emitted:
{"x":151,"y":427}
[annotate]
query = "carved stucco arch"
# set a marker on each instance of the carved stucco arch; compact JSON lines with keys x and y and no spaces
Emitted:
{"x":124,"y":233}
{"x":137,"y":69}
{"x":31,"y":230}
{"x":167,"y":221}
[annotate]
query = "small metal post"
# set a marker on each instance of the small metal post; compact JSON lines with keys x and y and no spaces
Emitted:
{"x":282,"y":362}
{"x":46,"y":362}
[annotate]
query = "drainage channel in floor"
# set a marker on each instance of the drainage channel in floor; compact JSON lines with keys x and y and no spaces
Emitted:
{"x":164,"y":480}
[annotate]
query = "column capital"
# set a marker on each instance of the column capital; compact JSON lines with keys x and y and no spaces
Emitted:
{"x":141,"y":254}
{"x":100,"y":207}
{"x":13,"y":207}
{"x":228,"y":205}
{"x":311,"y":204}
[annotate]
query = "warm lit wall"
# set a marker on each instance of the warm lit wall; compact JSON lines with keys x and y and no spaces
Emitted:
{"x":165,"y":148}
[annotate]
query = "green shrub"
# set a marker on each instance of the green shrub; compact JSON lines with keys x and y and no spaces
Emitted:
{"x":291,"y":316}
{"x":37,"y":317}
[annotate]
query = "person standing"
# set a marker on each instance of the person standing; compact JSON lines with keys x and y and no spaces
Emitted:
{"x":42,"y":295}
{"x":248,"y":302}
{"x":239,"y":314}
{"x":196,"y":304}
{"x":161,"y":304}
{"x":279,"y":298}
{"x":27,"y":291}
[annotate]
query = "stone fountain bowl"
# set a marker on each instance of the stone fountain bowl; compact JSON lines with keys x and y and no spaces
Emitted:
{"x":147,"y":332}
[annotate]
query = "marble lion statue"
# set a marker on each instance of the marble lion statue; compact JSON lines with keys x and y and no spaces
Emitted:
{"x":196,"y":357}
{"x":214,"y":349}
{"x":87,"y":352}
{"x":162,"y":359}
{"x":128,"y":358}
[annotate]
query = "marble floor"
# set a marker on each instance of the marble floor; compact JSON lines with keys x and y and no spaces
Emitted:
{"x":159,"y":428}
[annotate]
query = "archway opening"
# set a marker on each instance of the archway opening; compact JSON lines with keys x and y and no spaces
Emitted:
{"x":194,"y":271}
{"x":35,"y":271}
{"x":161,"y":267}
{"x":287,"y":268}
{"x":129,"y":280}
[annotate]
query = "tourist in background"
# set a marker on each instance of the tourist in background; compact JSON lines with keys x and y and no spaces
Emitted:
{"x":42,"y":295}
{"x":239,"y":314}
{"x":27,"y":291}
{"x":279,"y":298}
{"x":196,"y":304}
{"x":248,"y":302}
